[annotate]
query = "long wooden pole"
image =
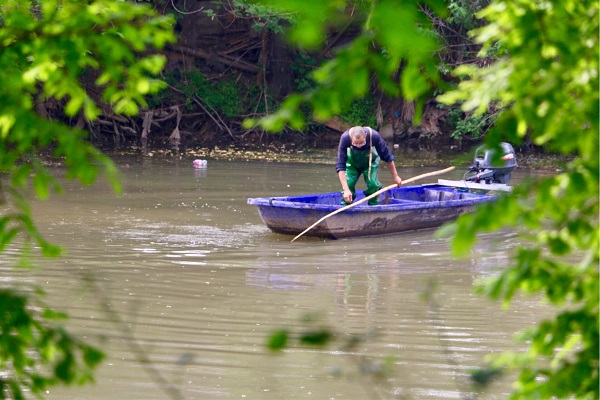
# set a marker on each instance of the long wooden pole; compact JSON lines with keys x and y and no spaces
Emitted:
{"x":377,"y":193}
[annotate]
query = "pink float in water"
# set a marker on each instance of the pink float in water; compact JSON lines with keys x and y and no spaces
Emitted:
{"x":200,"y":163}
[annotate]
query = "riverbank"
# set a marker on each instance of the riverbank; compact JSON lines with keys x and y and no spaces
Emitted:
{"x":403,"y":158}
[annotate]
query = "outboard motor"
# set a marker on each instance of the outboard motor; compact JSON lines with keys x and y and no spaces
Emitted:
{"x":489,"y":168}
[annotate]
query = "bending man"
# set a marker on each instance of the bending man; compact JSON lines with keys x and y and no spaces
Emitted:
{"x":359,"y":152}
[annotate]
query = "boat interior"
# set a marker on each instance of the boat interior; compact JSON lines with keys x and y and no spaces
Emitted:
{"x":404,"y":195}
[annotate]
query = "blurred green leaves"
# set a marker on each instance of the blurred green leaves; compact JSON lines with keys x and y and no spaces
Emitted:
{"x":548,"y":83}
{"x":29,"y":338}
{"x":46,"y":48}
{"x":391,"y":47}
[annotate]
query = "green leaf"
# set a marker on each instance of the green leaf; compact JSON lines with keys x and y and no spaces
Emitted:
{"x":92,"y":357}
{"x":53,"y":314}
{"x":316,"y":338}
{"x":21,"y":174}
{"x":484,"y":376}
{"x":278,"y":340}
{"x":41,"y":183}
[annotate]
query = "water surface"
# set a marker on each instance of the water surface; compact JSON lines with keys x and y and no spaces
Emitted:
{"x":185,"y":276}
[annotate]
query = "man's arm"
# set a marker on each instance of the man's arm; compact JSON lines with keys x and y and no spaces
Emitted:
{"x":342,"y":156}
{"x":347,"y":195}
{"x":392,"y":167}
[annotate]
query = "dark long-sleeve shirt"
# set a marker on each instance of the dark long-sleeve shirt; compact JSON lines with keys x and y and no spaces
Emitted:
{"x":346,"y":141}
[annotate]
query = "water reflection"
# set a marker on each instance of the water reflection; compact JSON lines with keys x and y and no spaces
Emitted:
{"x":200,"y":283}
{"x":420,"y":253}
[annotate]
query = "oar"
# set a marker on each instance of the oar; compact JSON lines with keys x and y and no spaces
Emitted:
{"x":377,"y":193}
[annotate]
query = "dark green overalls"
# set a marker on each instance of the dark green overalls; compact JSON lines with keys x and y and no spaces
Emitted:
{"x":357,"y":164}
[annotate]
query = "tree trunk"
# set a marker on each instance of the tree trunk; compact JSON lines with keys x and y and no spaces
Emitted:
{"x":281,"y":81}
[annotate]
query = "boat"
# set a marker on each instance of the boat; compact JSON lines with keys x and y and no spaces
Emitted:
{"x":400,"y":209}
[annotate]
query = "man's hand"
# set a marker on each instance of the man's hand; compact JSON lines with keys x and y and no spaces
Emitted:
{"x":398,"y":180}
{"x":347,"y":196}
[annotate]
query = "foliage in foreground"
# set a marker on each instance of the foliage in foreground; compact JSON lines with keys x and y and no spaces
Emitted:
{"x":547,"y":82}
{"x":395,"y":49}
{"x":550,"y":79}
{"x":29,"y":339}
{"x":45,"y":48}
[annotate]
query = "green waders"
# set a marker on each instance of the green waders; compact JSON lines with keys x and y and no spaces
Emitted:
{"x":357,"y":164}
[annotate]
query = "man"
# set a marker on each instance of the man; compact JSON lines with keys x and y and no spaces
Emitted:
{"x":359,"y":152}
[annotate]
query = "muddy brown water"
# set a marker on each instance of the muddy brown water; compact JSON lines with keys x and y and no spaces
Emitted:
{"x":198,"y":284}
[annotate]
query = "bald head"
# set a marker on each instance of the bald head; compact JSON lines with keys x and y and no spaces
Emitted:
{"x":357,"y":132}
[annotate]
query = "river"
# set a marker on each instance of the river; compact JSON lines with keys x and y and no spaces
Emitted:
{"x":181,"y":284}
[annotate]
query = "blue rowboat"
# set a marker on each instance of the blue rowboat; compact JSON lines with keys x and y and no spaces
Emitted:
{"x":400,"y":209}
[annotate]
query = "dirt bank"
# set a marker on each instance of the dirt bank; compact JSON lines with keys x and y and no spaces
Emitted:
{"x":404,"y":158}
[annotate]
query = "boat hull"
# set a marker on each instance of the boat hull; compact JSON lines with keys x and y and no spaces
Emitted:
{"x":401,"y":209}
